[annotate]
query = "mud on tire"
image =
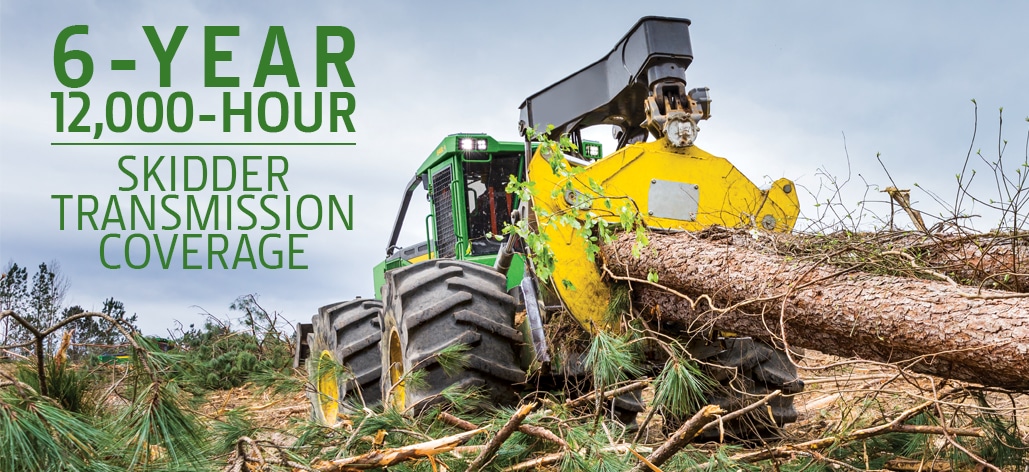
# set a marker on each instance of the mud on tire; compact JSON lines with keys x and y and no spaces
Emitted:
{"x":440,"y":303}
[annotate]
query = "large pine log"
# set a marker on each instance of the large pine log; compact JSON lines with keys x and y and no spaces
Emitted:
{"x":928,"y":326}
{"x":988,"y":260}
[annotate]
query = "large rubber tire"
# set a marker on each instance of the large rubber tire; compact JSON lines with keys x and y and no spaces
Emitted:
{"x":751,"y":369}
{"x":435,"y":304}
{"x":348,"y":334}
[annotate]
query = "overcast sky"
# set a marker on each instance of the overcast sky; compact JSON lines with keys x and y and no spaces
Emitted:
{"x":788,"y":79}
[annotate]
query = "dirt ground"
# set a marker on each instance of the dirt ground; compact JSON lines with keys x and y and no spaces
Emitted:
{"x":835,"y":394}
{"x":269,"y":410}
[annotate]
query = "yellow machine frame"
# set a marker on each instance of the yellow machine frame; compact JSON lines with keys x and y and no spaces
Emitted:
{"x":723,"y":196}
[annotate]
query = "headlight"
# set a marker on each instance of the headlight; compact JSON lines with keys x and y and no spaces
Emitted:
{"x":472,"y":144}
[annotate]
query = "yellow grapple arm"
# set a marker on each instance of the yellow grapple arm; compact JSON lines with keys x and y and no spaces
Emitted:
{"x":673,"y":188}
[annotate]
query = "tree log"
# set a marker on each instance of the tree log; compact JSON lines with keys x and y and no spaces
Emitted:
{"x":989,"y":260}
{"x":736,"y":282}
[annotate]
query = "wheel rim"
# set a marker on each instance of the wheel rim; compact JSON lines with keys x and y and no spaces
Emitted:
{"x":396,"y":370}
{"x":328,"y":388}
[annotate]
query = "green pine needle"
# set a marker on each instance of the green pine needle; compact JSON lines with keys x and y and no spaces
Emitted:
{"x":574,"y":462}
{"x":237,"y":424}
{"x":612,"y":359}
{"x":155,"y":429}
{"x":453,"y":359}
{"x":680,"y":387}
{"x":463,"y":398}
{"x":36,"y":434}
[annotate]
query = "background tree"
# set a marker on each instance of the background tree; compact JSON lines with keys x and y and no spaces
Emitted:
{"x":263,"y":325}
{"x":49,"y":287}
{"x":14,"y":295}
{"x":95,"y":336}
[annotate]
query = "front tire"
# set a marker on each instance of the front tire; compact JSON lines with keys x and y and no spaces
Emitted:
{"x":436,"y":304}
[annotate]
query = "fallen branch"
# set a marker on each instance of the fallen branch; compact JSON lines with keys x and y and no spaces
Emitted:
{"x":542,"y":433}
{"x":554,"y":458}
{"x":457,"y":422}
{"x":645,"y":462}
{"x":905,"y":465}
{"x":388,"y":457}
{"x":689,"y":430}
{"x":680,"y":438}
{"x":742,"y":411}
{"x":835,"y":464}
{"x":535,"y":431}
{"x":494,"y":444}
{"x":590,"y":397}
{"x":822,"y":443}
{"x":241,"y":454}
{"x":926,"y":429}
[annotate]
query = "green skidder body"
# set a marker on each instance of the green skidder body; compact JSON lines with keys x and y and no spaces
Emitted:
{"x":465,"y":178}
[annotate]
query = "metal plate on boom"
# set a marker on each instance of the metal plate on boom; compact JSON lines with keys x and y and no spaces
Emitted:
{"x":673,"y":200}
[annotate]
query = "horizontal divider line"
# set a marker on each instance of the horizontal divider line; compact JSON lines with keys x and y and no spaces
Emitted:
{"x":256,"y":143}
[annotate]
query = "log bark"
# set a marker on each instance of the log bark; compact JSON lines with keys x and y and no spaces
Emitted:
{"x":928,"y":326}
{"x":989,"y":260}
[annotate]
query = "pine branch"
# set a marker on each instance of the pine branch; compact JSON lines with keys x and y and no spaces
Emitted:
{"x":457,"y":422}
{"x":39,"y":335}
{"x":590,"y":397}
{"x":928,"y":429}
{"x":742,"y":411}
{"x":554,"y":458}
{"x":823,"y":443}
{"x":494,"y":444}
{"x":388,"y":457}
{"x":535,"y":431}
{"x":680,"y":438}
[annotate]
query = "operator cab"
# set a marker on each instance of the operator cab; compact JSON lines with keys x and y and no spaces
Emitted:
{"x":466,"y":179}
{"x":489,"y":204}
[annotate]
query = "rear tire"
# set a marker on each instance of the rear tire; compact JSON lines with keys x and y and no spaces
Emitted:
{"x":345,"y":334}
{"x":435,"y":304}
{"x":751,"y":370}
